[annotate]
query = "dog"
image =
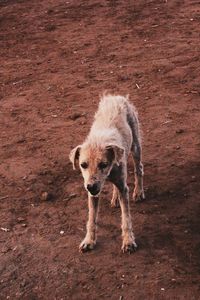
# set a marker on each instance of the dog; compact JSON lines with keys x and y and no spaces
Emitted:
{"x":103,"y":157}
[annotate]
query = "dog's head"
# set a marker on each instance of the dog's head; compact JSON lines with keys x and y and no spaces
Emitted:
{"x":95,"y":163}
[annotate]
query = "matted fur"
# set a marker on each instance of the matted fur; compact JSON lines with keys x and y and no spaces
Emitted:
{"x":103,"y":156}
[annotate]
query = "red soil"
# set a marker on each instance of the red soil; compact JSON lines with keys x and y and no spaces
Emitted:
{"x":56,"y":58}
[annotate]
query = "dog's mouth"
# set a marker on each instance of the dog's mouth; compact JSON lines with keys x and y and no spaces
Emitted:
{"x":94,"y":193}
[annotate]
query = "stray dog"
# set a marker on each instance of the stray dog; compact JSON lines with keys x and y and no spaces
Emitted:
{"x":103,"y":156}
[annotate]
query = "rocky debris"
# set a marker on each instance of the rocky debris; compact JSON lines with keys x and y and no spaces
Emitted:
{"x":45,"y":196}
{"x":179,"y":131}
{"x":76,"y":115}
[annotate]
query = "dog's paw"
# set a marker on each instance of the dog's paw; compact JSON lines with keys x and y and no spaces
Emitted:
{"x":138,"y":195}
{"x":129,"y":247}
{"x":86,"y":245}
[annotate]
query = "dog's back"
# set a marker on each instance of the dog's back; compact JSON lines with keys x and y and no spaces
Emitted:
{"x":114,"y":112}
{"x":111,"y":109}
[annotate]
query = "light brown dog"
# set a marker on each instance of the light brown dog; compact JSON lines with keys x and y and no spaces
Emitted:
{"x":103,"y":156}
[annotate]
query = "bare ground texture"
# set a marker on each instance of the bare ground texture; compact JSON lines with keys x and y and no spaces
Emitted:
{"x":56,"y":57}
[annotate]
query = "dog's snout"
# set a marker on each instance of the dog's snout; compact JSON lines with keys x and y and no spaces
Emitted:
{"x":93,"y":188}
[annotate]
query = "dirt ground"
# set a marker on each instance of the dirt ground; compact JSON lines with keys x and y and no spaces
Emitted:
{"x":56,"y":57}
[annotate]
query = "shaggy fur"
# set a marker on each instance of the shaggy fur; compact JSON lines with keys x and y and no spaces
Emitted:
{"x":103,"y":156}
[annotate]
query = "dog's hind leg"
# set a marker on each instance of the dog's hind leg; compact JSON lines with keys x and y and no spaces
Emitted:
{"x":115,"y":197}
{"x":138,"y":193}
{"x":136,"y":151}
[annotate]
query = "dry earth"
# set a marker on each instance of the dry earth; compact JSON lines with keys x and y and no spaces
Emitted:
{"x":56,"y":57}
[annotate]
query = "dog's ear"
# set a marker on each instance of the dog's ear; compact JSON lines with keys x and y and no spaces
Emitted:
{"x":74,"y":156}
{"x":115,"y":153}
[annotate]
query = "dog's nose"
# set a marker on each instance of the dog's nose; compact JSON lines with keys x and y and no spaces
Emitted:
{"x":93,"y":188}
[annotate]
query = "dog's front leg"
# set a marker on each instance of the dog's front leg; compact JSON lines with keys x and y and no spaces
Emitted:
{"x":128,"y":243}
{"x":89,"y":241}
{"x":118,"y":177}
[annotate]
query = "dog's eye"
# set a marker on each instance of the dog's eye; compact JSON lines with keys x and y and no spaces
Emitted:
{"x":84,"y":165}
{"x":102,"y":165}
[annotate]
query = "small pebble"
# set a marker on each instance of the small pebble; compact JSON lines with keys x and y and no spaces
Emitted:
{"x":5,"y":229}
{"x":5,"y":249}
{"x":75,"y":116}
{"x":179,"y":131}
{"x":20,"y":219}
{"x":45,"y":196}
{"x":83,"y":122}
{"x":71,"y":196}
